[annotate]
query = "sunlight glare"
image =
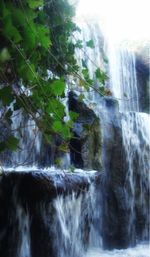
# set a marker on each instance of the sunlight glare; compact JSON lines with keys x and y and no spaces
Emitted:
{"x":119,"y":19}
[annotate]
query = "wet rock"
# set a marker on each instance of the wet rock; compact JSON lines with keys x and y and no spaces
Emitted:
{"x":85,"y":147}
{"x":143,"y":82}
{"x":125,"y":215}
{"x":26,"y":199}
{"x":115,"y":223}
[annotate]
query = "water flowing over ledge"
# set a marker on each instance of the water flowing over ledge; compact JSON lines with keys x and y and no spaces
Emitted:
{"x":43,"y":214}
{"x":60,"y":214}
{"x":138,"y":251}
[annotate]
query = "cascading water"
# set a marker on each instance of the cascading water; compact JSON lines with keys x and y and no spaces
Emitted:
{"x":93,"y":58}
{"x":135,"y":128}
{"x":135,"y":133}
{"x":123,"y":78}
{"x":78,"y":222}
{"x":25,"y":129}
{"x":74,"y":221}
{"x":24,"y":231}
{"x":136,"y":141}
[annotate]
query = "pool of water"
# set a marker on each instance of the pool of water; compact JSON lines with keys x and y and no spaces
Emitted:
{"x":138,"y":251}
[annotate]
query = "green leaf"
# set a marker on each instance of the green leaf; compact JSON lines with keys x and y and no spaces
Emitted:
{"x":43,"y":36}
{"x":58,"y":87}
{"x":90,"y":43}
{"x":34,"y":29}
{"x":73,"y":115}
{"x":101,"y":75}
{"x":64,"y":147}
{"x":81,"y":97}
{"x":47,"y":138}
{"x":27,"y":72}
{"x":30,"y":15}
{"x":9,"y":30}
{"x":69,"y":123}
{"x":12,"y":143}
{"x":58,"y":162}
{"x":88,"y":81}
{"x":85,"y":73}
{"x":79,"y":44}
{"x":6,"y":95}
{"x":57,"y":126}
{"x":18,"y":15}
{"x":66,"y":132}
{"x":30,"y":37}
{"x":56,"y":108}
{"x":33,"y":4}
{"x":6,"y":13}
{"x":4,"y":55}
{"x":98,"y":73}
{"x":102,"y":90}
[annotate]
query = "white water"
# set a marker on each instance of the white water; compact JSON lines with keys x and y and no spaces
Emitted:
{"x":135,"y":131}
{"x":123,"y":78}
{"x":26,"y":130}
{"x":142,"y":250}
{"x":77,"y":213}
{"x":77,"y":222}
{"x":69,"y":236}
{"x":79,"y":216}
{"x":136,"y":140}
{"x":24,"y":233}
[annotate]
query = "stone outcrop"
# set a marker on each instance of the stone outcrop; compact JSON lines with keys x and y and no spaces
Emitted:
{"x":28,"y":197}
{"x":85,"y":147}
{"x":142,"y":61}
{"x":143,"y":81}
{"x":104,"y":143}
{"x":98,"y":142}
{"x":115,"y":223}
{"x":118,"y":230}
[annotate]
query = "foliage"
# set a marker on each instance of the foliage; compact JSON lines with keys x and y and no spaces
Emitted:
{"x":36,"y":55}
{"x":90,"y":43}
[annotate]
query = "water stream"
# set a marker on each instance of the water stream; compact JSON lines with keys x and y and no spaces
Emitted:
{"x":139,"y":251}
{"x":77,"y":224}
{"x":135,"y":128}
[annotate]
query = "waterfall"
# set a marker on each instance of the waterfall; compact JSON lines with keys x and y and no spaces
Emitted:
{"x":28,"y":152}
{"x":75,"y":217}
{"x":64,"y":214}
{"x":136,"y":141}
{"x":135,"y":127}
{"x":136,"y":137}
{"x":93,"y":58}
{"x":123,"y":78}
{"x":24,"y":231}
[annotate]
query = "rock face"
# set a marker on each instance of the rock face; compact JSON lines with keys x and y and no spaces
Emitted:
{"x":104,"y":143}
{"x":85,"y":147}
{"x":115,"y":223}
{"x":143,"y":81}
{"x":34,"y":204}
{"x":36,"y":208}
{"x":40,"y":154}
{"x":104,"y":146}
{"x":27,"y":213}
{"x":115,"y":202}
{"x":126,"y":218}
